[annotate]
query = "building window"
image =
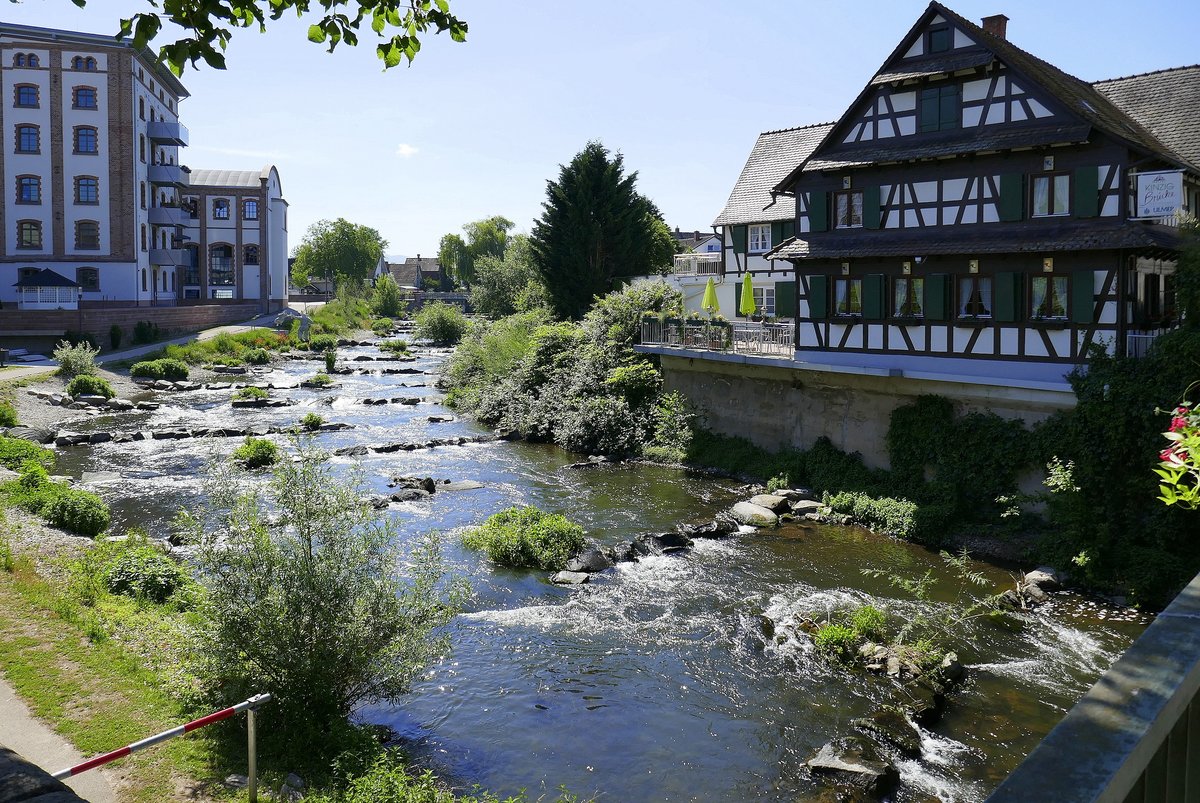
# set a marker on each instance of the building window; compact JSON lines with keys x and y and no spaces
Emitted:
{"x":848,"y":296}
{"x":87,"y":235}
{"x":29,"y":189}
{"x":83,"y":97}
{"x":141,"y":108}
{"x":143,"y":236}
{"x":25,"y":96}
{"x":848,"y":206}
{"x":192,"y":207}
{"x":940,"y":39}
{"x":1051,"y":195}
{"x":759,"y":238}
{"x":88,"y":279}
{"x":250,"y":212}
{"x":908,"y":297}
{"x":172,"y":281}
{"x":29,"y":234}
{"x":19,"y":60}
{"x":220,"y":264}
{"x":87,"y":190}
{"x":31,"y":60}
{"x":142,"y":147}
{"x":764,"y":299}
{"x":142,"y":193}
{"x":143,"y":280}
{"x":939,"y":108}
{"x":85,"y":139}
{"x":220,"y":209}
{"x":89,"y":64}
{"x":191,"y":271}
{"x":975,"y":297}
{"x":1048,"y":298}
{"x":250,"y":255}
{"x":29,"y":139}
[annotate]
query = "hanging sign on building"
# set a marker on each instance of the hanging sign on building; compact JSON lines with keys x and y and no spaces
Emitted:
{"x":1159,"y":194}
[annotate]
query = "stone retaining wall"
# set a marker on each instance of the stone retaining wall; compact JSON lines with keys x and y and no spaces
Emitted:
{"x":17,"y":326}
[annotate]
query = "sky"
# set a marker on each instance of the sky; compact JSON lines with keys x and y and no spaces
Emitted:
{"x":681,"y":88}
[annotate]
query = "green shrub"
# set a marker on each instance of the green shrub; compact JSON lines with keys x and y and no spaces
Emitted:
{"x":165,"y":368}
{"x":85,"y":385}
{"x":836,"y":641}
{"x":8,"y":414}
{"x":396,"y":346}
{"x":525,"y":537}
{"x":330,"y":360}
{"x":80,"y":512}
{"x":777,"y":483}
{"x":75,"y":359}
{"x":441,"y":323}
{"x":894,"y":516}
{"x":142,"y":571}
{"x":381,"y":326}
{"x":311,"y":422}
{"x":387,"y":300}
{"x":257,"y":356}
{"x":869,"y":622}
{"x":321,"y":380}
{"x":115,"y":334}
{"x":390,"y":780}
{"x":250,"y":392}
{"x":14,"y":453}
{"x":256,"y":453}
{"x":7,"y":561}
{"x":145,"y":332}
{"x":322,"y":343}
{"x":600,"y":425}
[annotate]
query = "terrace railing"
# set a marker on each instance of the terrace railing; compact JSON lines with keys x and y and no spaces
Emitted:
{"x":701,"y":264}
{"x":742,"y":337}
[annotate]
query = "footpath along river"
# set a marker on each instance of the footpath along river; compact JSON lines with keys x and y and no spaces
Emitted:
{"x":655,"y":681}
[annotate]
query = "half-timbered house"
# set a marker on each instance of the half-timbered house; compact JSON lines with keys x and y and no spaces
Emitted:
{"x":973,"y":212}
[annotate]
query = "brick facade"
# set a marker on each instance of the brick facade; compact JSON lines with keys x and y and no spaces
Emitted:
{"x":18,"y":324}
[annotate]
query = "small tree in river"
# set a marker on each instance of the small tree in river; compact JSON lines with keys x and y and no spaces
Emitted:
{"x":305,"y":601}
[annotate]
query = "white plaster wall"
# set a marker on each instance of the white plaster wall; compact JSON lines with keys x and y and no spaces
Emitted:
{"x":19,"y":164}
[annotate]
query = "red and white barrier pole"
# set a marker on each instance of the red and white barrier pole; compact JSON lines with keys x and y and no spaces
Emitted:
{"x":92,"y":763}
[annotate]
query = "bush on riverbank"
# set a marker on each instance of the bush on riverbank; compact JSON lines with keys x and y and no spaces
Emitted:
{"x":440,"y":323}
{"x":79,"y":512}
{"x":86,"y":385}
{"x":75,"y":359}
{"x":257,"y":356}
{"x":525,"y":537}
{"x":165,"y":368}
{"x":15,"y":452}
{"x":8,"y":414}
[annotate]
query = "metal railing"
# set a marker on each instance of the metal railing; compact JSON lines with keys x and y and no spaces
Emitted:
{"x":1137,"y":344}
{"x":704,"y":263}
{"x":1135,"y":736}
{"x":743,"y":337}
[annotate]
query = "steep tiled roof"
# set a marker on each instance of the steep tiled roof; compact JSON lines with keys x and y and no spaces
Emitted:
{"x":774,"y":154}
{"x":1080,"y":235}
{"x":932,"y":66}
{"x":1166,"y":102}
{"x":406,"y":275}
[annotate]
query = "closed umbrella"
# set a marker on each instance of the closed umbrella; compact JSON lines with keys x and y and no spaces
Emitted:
{"x":747,"y":307}
{"x":710,"y":302}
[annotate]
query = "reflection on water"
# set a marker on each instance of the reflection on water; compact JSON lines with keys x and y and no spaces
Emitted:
{"x":655,"y":681}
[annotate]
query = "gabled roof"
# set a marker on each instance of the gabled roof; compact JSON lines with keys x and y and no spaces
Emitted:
{"x":406,"y":275}
{"x":1166,"y":102}
{"x":45,"y":278}
{"x":774,"y":154}
{"x":1086,"y":103}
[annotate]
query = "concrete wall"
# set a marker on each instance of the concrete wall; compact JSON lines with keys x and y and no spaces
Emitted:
{"x":776,"y":407}
{"x":18,"y":326}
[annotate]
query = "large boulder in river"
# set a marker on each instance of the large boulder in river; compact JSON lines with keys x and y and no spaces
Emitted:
{"x":569,"y":578}
{"x":854,"y":762}
{"x":891,"y":728}
{"x":1044,"y":577}
{"x":805,"y":506}
{"x":773,"y":503}
{"x":591,"y":560}
{"x":754,"y":515}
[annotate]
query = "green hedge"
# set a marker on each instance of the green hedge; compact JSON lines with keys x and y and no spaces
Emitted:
{"x":165,"y":368}
{"x":85,"y":385}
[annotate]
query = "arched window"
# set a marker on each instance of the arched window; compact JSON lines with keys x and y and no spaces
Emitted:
{"x":86,"y":140}
{"x":89,"y":64}
{"x":143,"y":236}
{"x":87,"y":235}
{"x":32,"y":60}
{"x":29,"y":139}
{"x":19,"y":60}
{"x":87,"y":190}
{"x":88,"y":279}
{"x":83,"y":97}
{"x":220,"y":264}
{"x":77,"y":63}
{"x":250,"y":209}
{"x":29,"y":189}
{"x":142,"y":193}
{"x":29,"y":234}
{"x":143,"y":280}
{"x":141,"y":108}
{"x":191,"y":274}
{"x":142,"y":147}
{"x":220,"y":209}
{"x":25,"y":96}
{"x":250,"y":256}
{"x":164,"y":281}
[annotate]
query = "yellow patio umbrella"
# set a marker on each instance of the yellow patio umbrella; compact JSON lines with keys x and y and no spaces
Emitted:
{"x":710,"y":302}
{"x":747,"y":307}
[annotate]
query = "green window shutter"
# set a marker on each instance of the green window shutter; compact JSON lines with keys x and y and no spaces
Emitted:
{"x":739,"y":239}
{"x":1083,"y":296}
{"x":789,"y":229}
{"x":1012,"y":197}
{"x":1087,"y":192}
{"x":871,"y":207}
{"x":1006,"y":306}
{"x":818,"y":297}
{"x":874,"y":289}
{"x":737,"y":299}
{"x":776,"y":232}
{"x":818,"y":211}
{"x":937,"y":297}
{"x":785,"y":299}
{"x":948,"y":108}
{"x":929,"y":109}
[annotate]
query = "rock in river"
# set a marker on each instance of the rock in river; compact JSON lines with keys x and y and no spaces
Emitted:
{"x":569,"y":578}
{"x":855,"y":762}
{"x":773,"y":503}
{"x":592,"y":560}
{"x":754,"y":515}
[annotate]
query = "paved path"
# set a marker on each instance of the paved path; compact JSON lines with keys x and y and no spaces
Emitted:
{"x":33,"y":739}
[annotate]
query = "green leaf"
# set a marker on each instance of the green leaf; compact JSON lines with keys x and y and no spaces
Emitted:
{"x":316,"y":34}
{"x":377,"y":22}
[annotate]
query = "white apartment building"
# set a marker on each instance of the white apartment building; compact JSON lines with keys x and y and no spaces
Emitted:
{"x":91,"y":184}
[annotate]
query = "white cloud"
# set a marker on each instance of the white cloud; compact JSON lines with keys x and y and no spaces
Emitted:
{"x":404,"y":150}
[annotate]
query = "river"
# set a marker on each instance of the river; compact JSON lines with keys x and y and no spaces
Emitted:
{"x":655,"y":681}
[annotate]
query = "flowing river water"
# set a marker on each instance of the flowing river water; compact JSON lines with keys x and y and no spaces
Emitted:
{"x":656,"y":681}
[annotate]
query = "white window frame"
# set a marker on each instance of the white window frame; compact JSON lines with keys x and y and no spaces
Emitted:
{"x":764,"y":299}
{"x":758,"y":238}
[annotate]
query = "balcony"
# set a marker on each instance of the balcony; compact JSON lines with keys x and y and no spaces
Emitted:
{"x":740,"y":337}
{"x":162,"y":132}
{"x":167,"y":216}
{"x":169,"y":256}
{"x":170,"y":175}
{"x":700,"y":265}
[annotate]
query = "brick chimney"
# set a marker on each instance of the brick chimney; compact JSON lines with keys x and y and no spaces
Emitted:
{"x":996,"y":25}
